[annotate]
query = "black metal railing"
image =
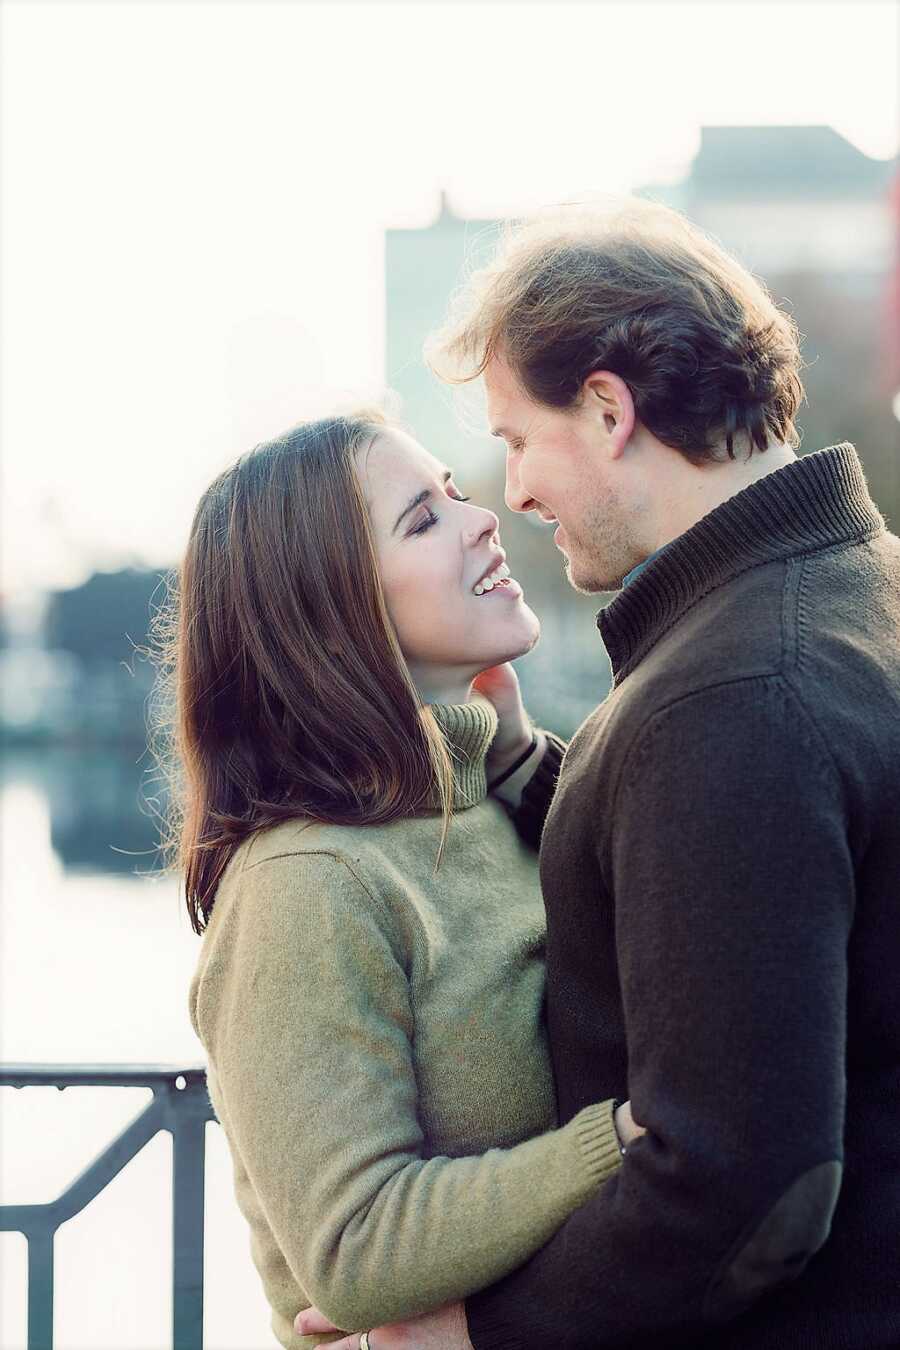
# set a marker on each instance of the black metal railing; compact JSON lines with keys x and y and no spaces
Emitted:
{"x":180,"y":1105}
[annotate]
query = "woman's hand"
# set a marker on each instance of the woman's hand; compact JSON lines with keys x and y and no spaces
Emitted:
{"x":500,"y":686}
{"x":444,"y":1329}
{"x":627,"y":1127}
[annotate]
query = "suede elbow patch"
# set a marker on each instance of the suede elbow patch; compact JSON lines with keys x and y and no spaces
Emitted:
{"x":778,"y":1248}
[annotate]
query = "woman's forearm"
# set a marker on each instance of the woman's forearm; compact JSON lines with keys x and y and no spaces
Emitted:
{"x":314,"y":1064}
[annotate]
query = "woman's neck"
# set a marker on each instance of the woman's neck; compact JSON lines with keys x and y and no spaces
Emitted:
{"x":448,"y":688}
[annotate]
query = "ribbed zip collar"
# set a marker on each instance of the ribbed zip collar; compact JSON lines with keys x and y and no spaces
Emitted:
{"x":817,"y":501}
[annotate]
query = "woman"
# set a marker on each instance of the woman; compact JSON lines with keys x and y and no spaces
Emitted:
{"x":369,"y":991}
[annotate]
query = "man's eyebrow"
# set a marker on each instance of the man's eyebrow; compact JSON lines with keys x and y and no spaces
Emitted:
{"x":417,"y":500}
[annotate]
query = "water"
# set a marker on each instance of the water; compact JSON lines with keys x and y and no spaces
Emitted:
{"x":94,"y":968}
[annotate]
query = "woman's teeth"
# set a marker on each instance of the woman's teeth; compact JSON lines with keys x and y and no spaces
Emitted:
{"x":491,"y":580}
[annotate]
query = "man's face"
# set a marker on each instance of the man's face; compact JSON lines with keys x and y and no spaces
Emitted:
{"x":557,"y":464}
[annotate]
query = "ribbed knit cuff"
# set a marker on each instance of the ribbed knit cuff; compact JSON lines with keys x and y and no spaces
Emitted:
{"x":510,"y":790}
{"x":598,"y":1141}
{"x":536,"y":798}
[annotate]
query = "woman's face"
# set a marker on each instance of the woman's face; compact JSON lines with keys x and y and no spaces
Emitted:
{"x":437,"y":552}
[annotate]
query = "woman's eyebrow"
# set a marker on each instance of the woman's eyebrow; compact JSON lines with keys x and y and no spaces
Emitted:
{"x":419,"y":498}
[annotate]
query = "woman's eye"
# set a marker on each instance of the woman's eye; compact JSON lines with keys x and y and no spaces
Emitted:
{"x":430,"y":519}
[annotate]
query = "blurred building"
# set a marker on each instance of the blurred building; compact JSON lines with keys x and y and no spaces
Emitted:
{"x":789,"y":199}
{"x":422,"y":268}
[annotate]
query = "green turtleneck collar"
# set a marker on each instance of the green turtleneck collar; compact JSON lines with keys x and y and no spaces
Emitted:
{"x":469,"y":729}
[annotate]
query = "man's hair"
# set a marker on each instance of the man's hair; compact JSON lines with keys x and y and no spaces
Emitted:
{"x":636,"y":289}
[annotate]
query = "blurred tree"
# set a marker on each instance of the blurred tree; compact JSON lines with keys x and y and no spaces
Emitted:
{"x":103,"y":626}
{"x":103,"y":620}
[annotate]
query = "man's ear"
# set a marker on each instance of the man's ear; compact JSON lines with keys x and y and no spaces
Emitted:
{"x":609,"y":397}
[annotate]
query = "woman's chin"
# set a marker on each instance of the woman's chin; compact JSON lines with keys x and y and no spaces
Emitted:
{"x":524,"y":640}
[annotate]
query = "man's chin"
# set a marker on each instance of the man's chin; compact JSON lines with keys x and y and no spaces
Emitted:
{"x":585,"y":582}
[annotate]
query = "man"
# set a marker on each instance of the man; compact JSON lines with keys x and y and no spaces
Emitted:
{"x":721,"y":862}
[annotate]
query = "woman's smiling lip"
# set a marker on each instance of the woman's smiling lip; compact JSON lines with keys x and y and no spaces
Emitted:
{"x":508,"y":587}
{"x":498,"y":560}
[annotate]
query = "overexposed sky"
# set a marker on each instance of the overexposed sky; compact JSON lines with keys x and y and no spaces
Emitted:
{"x":194,"y":191}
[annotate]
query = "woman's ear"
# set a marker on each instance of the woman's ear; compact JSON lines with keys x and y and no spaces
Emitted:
{"x":607,"y":395}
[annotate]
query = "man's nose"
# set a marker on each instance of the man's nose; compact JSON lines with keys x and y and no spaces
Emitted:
{"x":515,"y":496}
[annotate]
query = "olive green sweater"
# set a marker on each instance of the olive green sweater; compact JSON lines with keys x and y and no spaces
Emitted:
{"x":378,"y":1056}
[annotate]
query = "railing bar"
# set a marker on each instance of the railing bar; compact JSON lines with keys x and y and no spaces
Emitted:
{"x":96,"y":1075}
{"x":108,"y":1164}
{"x":40,"y":1290}
{"x":26,"y":1218}
{"x":188,"y":1174}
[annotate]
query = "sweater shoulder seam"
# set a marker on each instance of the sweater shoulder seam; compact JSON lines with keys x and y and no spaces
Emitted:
{"x":652,"y":720}
{"x":803,"y":556}
{"x":676,"y":619}
{"x":376,"y":899}
{"x":793,"y":671}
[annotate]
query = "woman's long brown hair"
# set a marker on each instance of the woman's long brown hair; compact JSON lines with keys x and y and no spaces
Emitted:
{"x":284,"y":692}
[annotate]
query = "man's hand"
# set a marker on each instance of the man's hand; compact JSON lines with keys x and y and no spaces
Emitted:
{"x":444,"y":1329}
{"x":500,"y":686}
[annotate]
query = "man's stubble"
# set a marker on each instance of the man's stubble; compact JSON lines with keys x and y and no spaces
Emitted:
{"x":603,"y":549}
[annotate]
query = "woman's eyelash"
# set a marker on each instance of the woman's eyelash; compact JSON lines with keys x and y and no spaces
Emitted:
{"x":432,"y":519}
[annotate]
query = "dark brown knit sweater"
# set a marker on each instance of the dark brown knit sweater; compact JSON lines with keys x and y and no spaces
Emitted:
{"x":721,"y":870}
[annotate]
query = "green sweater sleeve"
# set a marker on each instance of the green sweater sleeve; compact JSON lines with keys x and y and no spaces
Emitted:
{"x":304,"y":1010}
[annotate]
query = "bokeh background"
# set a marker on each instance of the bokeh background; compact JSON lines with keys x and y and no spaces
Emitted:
{"x":221,"y":218}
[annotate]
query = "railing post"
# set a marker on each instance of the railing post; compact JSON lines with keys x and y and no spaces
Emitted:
{"x":40,"y":1289}
{"x":188,"y":1172}
{"x":181,"y":1105}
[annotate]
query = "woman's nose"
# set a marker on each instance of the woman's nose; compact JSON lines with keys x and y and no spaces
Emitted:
{"x":485,"y":524}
